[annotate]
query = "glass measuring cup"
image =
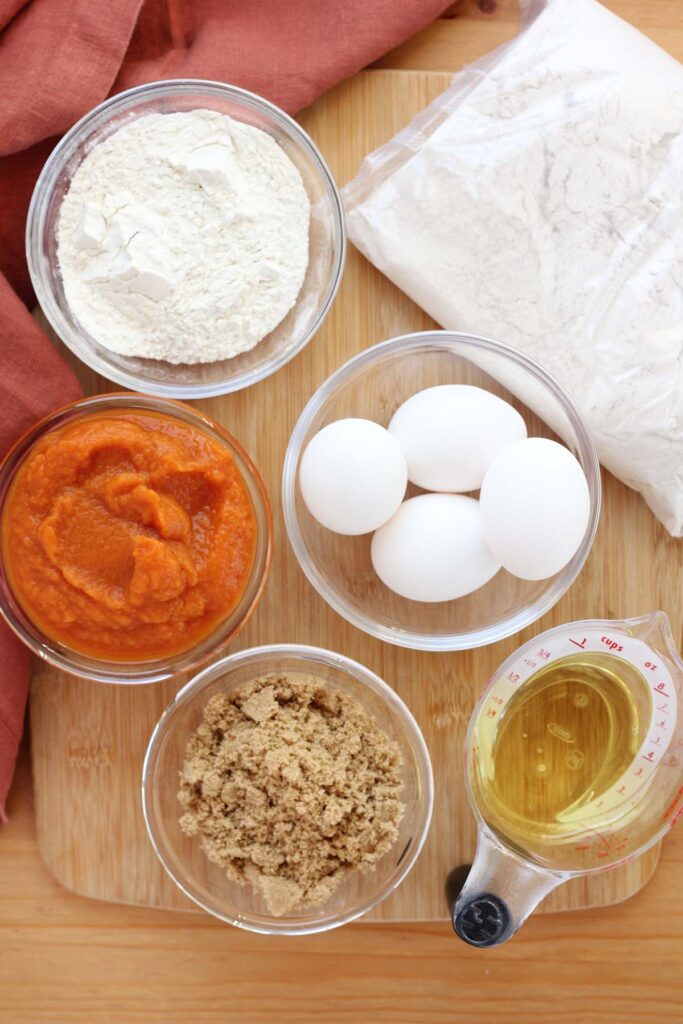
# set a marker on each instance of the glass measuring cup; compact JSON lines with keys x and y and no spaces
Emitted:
{"x":574,"y":764}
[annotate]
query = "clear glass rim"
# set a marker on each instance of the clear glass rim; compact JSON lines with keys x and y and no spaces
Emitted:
{"x":324,"y":657}
{"x":407,"y":638}
{"x":78,"y":341}
{"x":158,"y":669}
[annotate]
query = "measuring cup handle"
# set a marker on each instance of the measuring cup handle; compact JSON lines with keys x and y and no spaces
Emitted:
{"x":500,"y":891}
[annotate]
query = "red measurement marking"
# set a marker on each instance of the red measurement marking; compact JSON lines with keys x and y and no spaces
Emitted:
{"x":513,"y":677}
{"x":580,"y":849}
{"x":530,"y":663}
{"x":663,"y":707}
{"x":543,"y":653}
{"x":660,"y":689}
{"x":639,"y":772}
{"x":648,"y":664}
{"x":661,"y":725}
{"x":576,"y":642}
{"x":677,"y":816}
{"x":672,"y":807}
{"x":622,"y":790}
{"x":497,"y":700}
{"x":656,"y":741}
{"x":491,"y":713}
{"x":603,"y":853}
{"x":649,"y":757}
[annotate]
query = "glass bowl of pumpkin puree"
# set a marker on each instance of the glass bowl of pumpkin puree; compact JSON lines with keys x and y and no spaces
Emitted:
{"x":135,"y":538}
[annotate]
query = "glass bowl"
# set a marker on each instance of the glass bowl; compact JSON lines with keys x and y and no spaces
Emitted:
{"x":372,"y":385}
{"x":326,"y":253}
{"x":206,"y":883}
{"x":153,"y":670}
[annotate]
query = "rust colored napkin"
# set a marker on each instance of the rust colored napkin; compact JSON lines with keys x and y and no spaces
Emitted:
{"x":62,"y":57}
{"x":33,"y":380}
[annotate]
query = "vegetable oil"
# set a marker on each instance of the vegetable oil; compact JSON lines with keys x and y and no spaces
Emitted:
{"x":565,"y":737}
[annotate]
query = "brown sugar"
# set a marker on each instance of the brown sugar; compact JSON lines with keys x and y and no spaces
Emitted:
{"x":290,"y":786}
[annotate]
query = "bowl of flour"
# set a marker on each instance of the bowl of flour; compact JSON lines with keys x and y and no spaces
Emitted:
{"x":186,"y":239}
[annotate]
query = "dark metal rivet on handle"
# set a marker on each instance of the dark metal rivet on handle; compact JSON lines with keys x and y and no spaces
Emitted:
{"x":483,"y":921}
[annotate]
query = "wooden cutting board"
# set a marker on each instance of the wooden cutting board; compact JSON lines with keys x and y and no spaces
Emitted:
{"x":88,"y":740}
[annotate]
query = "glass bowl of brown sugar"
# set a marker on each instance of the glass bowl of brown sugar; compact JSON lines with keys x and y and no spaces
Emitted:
{"x":287,"y":790}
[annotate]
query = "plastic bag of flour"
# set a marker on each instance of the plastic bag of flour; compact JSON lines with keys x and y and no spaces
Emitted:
{"x":539,"y":202}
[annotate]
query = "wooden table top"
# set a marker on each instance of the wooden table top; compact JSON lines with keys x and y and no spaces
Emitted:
{"x":67,"y":960}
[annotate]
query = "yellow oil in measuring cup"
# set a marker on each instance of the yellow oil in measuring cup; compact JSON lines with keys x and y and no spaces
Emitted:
{"x":567,"y":736}
{"x":573,"y":763}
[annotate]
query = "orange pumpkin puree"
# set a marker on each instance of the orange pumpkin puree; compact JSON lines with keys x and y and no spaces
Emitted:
{"x":128,"y":535}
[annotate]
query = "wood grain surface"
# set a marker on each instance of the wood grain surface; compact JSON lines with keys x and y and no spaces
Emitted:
{"x":65,"y":959}
{"x":89,"y":740}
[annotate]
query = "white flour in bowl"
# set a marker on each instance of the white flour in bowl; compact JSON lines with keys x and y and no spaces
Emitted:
{"x":183,"y":237}
{"x":538,"y":202}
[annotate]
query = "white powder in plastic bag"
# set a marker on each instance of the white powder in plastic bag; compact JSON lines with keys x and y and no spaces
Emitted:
{"x":539,"y":201}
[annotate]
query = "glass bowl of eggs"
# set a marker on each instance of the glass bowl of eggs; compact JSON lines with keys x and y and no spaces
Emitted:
{"x":185,"y":238}
{"x":441,"y":491}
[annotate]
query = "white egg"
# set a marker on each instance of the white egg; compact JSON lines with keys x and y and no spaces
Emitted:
{"x":353,"y":476}
{"x":450,"y":435}
{"x":535,"y":507}
{"x":433,"y":549}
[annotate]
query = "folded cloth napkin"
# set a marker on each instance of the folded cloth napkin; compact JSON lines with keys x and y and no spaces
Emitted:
{"x":62,"y":57}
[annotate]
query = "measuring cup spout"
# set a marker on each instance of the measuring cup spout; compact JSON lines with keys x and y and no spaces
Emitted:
{"x":654,"y":629}
{"x":501,"y":890}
